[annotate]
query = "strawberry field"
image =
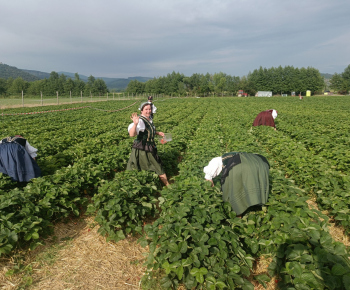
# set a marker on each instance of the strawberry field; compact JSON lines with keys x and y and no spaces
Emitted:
{"x":194,"y":239}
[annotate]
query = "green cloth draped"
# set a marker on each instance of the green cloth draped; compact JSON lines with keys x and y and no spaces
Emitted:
{"x":247,"y":183}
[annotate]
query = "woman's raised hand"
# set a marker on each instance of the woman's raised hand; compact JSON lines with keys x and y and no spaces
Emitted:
{"x":135,"y":118}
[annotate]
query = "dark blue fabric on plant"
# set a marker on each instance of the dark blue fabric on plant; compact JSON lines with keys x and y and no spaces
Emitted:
{"x":17,"y":163}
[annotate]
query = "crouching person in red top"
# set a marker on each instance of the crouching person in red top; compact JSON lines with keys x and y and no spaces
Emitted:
{"x":266,"y":118}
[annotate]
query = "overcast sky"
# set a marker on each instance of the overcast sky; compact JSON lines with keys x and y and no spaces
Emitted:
{"x":151,"y":38}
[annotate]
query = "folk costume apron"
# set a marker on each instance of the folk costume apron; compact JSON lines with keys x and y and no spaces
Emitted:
{"x":16,"y":162}
{"x":244,"y":180}
{"x":144,"y":154}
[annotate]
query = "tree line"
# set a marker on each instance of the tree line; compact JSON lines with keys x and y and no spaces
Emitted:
{"x":55,"y":83}
{"x":341,"y":82}
{"x":278,"y":80}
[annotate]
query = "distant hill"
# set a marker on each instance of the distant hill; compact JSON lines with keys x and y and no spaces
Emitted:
{"x":72,"y":75}
{"x":112,"y":83}
{"x":120,"y":83}
{"x":117,"y":84}
{"x":41,"y":75}
{"x":327,"y":76}
{"x":7,"y":71}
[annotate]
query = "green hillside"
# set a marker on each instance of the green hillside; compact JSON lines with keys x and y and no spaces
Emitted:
{"x":117,"y":84}
{"x":41,"y":75}
{"x":120,"y":83}
{"x":326,"y":76}
{"x":7,"y":71}
{"x":112,"y":83}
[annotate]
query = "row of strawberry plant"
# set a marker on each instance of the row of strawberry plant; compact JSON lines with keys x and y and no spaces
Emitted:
{"x":328,"y":139}
{"x":267,"y":234}
{"x":65,"y":144}
{"x":287,"y":229}
{"x":122,"y":204}
{"x":312,"y":173}
{"x":50,"y":197}
{"x":28,"y":214}
{"x":49,"y":164}
{"x":195,"y":241}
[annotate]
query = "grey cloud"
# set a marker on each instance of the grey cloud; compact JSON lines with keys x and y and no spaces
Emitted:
{"x":153,"y":38}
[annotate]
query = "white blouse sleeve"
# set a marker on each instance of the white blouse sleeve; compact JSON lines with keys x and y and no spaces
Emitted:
{"x":213,"y":169}
{"x":154,"y":109}
{"x":31,"y":150}
{"x":140,"y":126}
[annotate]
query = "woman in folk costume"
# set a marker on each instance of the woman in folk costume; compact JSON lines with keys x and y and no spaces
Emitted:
{"x":153,"y":107}
{"x":244,"y":179}
{"x":17,"y":159}
{"x":144,"y":150}
{"x":266,"y":118}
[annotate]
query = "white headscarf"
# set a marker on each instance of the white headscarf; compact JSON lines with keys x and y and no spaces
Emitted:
{"x":274,"y":114}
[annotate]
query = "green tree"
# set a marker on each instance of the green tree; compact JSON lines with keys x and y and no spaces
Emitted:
{"x":151,"y":86}
{"x":76,"y":77}
{"x":219,"y":82}
{"x":336,"y":82}
{"x":135,"y":87}
{"x":35,"y":88}
{"x":246,"y":85}
{"x":89,"y":87}
{"x":205,"y":85}
{"x":232,"y":84}
{"x":314,"y":80}
{"x":193,"y":83}
{"x":79,"y":85}
{"x":69,"y":86}
{"x":346,"y":78}
{"x":3,"y":86}
{"x":18,"y":85}
{"x":100,"y":87}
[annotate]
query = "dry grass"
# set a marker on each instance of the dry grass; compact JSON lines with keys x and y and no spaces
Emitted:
{"x":76,"y":256}
{"x":80,"y":258}
{"x":259,"y":268}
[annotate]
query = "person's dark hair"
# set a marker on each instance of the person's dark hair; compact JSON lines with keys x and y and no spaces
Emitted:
{"x":150,"y":98}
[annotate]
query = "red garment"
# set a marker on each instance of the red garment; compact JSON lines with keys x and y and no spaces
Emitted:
{"x":264,"y":118}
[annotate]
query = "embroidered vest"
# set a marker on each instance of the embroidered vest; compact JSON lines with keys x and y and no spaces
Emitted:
{"x":148,"y":135}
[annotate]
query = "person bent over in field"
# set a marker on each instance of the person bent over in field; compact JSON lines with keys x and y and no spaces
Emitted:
{"x":266,"y":118}
{"x":244,"y":179}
